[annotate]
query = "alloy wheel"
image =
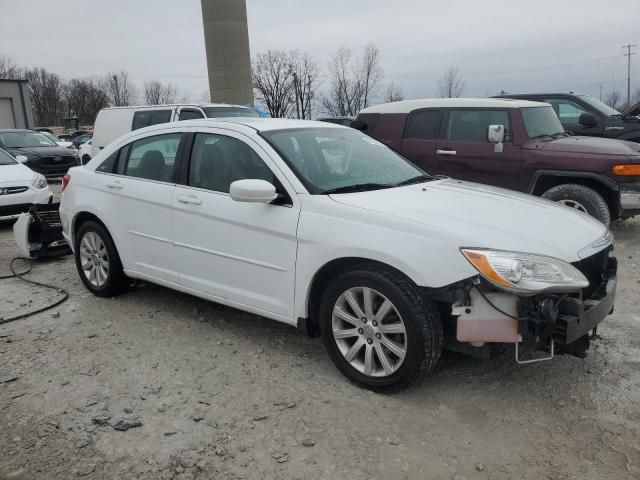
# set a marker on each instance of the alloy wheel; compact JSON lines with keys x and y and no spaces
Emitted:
{"x":94,"y":259}
{"x":369,"y":332}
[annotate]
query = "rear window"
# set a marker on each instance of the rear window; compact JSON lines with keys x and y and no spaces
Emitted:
{"x":146,"y":118}
{"x":190,"y":114}
{"x":366,"y":122}
{"x":423,"y":125}
{"x":473,"y":125}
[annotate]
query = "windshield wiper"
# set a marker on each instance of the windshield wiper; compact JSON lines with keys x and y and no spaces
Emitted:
{"x":420,"y":179}
{"x":544,"y":135}
{"x":360,"y":187}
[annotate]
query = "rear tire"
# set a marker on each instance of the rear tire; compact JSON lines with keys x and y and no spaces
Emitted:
{"x":98,"y":262}
{"x":581,"y":198}
{"x":388,"y":351}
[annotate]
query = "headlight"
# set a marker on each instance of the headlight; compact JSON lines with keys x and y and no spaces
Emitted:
{"x":40,"y":181}
{"x":525,"y":272}
{"x":74,"y":152}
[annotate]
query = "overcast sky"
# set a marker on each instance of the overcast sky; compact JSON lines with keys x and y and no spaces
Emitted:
{"x":515,"y":45}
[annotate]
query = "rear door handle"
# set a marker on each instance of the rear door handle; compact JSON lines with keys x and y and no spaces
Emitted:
{"x":115,"y":185}
{"x":190,"y":200}
{"x":446,"y":152}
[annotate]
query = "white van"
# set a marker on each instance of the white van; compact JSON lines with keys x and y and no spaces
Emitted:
{"x":114,"y":122}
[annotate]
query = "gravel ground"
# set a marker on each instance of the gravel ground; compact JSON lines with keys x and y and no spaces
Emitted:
{"x":210,"y":392}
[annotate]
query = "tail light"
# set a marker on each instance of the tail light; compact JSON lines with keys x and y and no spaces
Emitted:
{"x":65,"y":182}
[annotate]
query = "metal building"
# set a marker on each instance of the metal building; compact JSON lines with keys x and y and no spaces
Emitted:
{"x":15,"y":104}
{"x":226,"y":37}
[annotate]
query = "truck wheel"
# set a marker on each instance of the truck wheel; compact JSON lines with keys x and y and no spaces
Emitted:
{"x":98,"y":262}
{"x":582,"y":198}
{"x":378,"y":329}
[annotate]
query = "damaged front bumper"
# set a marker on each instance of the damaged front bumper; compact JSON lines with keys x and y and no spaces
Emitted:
{"x":486,"y":316}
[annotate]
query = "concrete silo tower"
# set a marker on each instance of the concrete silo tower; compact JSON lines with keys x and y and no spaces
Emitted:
{"x":226,"y":37}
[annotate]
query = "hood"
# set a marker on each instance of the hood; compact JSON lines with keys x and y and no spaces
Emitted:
{"x":474,"y":215}
{"x":17,"y":173}
{"x":591,"y":145}
{"x":40,"y":151}
{"x":64,"y":144}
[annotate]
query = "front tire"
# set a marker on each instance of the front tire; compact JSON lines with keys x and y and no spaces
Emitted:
{"x":98,"y":262}
{"x":581,"y":198}
{"x":378,"y":329}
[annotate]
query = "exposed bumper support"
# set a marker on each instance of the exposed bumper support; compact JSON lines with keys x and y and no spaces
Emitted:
{"x":630,"y":199}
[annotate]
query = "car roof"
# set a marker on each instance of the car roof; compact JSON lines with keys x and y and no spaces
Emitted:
{"x":536,"y":94}
{"x":174,"y":105}
{"x":19,"y":130}
{"x":407,"y":106}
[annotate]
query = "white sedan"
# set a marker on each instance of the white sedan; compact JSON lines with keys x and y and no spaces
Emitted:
{"x":323,"y":227}
{"x":20,"y":187}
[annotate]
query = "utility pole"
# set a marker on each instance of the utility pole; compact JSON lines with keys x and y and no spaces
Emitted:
{"x":628,"y":55}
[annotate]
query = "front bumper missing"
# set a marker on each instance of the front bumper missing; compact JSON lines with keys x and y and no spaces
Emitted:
{"x":577,"y":317}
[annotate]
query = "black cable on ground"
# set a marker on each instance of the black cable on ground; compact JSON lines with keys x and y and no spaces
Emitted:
{"x":20,"y":275}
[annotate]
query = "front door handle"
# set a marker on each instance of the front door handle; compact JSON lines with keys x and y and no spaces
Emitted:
{"x":115,"y":186}
{"x":446,"y":152}
{"x":190,"y":200}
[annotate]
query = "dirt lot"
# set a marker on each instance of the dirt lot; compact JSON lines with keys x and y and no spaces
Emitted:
{"x":224,"y":394}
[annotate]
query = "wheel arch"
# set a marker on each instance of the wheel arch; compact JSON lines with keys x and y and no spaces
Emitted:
{"x":605,"y":186}
{"x":86,"y":216}
{"x":309,"y":323}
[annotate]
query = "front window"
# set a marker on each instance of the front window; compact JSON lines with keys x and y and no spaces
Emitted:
{"x":600,"y":106}
{"x":473,"y":125}
{"x":222,"y":112}
{"x":329,"y":160}
{"x":541,"y":122}
{"x":25,"y":139}
{"x":6,"y":159}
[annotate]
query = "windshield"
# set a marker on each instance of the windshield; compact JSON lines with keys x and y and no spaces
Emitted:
{"x":541,"y":122}
{"x":51,"y":137}
{"x":327,"y":159}
{"x":25,"y":139}
{"x":600,"y":106}
{"x":221,"y":112}
{"x":6,"y":159}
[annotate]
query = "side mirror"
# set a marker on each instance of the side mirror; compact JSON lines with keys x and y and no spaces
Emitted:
{"x":588,"y":120}
{"x":21,"y":158}
{"x":252,"y":190}
{"x":495,"y":135}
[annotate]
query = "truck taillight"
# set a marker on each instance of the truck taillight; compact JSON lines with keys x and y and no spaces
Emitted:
{"x":65,"y":182}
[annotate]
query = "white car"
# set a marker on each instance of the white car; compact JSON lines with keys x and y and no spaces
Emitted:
{"x":85,"y":152}
{"x":323,"y":227}
{"x":58,"y":141}
{"x":20,"y":187}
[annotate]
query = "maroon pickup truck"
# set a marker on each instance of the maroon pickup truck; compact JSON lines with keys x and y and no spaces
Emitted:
{"x":516,"y":144}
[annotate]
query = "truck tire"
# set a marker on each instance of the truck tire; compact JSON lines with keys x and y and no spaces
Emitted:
{"x":581,"y":198}
{"x":98,"y":262}
{"x":378,"y":329}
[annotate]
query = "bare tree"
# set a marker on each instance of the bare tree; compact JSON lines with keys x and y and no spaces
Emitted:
{"x":155,"y":93}
{"x":451,"y":84}
{"x":305,"y":73}
{"x":352,"y":83}
{"x":393,"y":93}
{"x":635,"y":97}
{"x":273,"y":82}
{"x":84,"y":99}
{"x":9,"y":69}
{"x":47,"y":97}
{"x":120,"y":89}
{"x":613,"y":98}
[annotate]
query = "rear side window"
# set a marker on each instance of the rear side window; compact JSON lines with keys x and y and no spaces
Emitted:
{"x":473,"y":125}
{"x":152,"y":158}
{"x":190,"y":114}
{"x":423,"y":125}
{"x":145,"y":118}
